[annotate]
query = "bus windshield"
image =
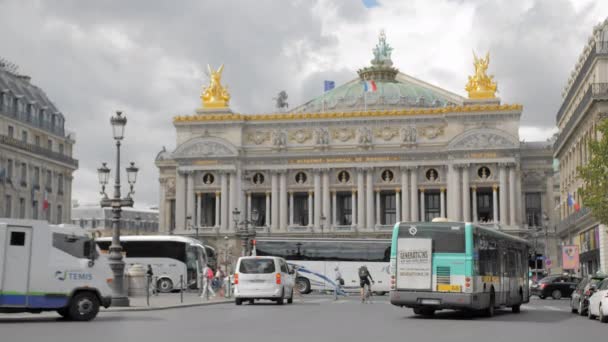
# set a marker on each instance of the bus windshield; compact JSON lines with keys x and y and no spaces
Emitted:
{"x":447,"y":237}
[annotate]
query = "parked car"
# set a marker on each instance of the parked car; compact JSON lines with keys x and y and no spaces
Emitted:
{"x":598,"y":302}
{"x":265,"y":277}
{"x":584,"y":289}
{"x":556,"y":286}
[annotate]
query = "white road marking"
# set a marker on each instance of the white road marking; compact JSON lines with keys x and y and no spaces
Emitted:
{"x":553,"y":308}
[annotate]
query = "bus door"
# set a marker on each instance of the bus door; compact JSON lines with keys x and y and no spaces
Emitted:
{"x":512,"y":280}
{"x":504,"y":278}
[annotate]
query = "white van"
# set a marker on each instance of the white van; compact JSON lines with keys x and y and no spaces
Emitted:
{"x":51,"y":268}
{"x":265,"y":277}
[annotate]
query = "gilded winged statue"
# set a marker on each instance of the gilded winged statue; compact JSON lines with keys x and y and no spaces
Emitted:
{"x":481,"y":85}
{"x":215,"y":95}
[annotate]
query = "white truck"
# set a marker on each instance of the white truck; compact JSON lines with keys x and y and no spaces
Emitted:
{"x":47,"y":267}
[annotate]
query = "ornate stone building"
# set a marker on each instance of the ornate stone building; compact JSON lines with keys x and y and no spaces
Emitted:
{"x":350,"y":162}
{"x":36,"y":163}
{"x":585,"y":103}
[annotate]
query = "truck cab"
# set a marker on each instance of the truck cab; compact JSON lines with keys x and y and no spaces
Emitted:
{"x":46,"y":267}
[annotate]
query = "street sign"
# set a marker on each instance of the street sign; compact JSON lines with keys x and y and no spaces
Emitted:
{"x":542,"y":257}
{"x":548,"y":262}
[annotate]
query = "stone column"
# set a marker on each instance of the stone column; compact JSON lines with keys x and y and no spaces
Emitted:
{"x":233,"y":201}
{"x":397,"y":205}
{"x":310,"y":223}
{"x":360,"y":199}
{"x":548,"y":206}
{"x":162,"y":210}
{"x":603,"y":229}
{"x":458,"y":192}
{"x":180,"y":201}
{"x":217,"y":208}
{"x":414,"y":194}
{"x":274,"y":211}
{"x":475,"y":214}
{"x":267,"y":211}
{"x":405,"y":203}
{"x":291,"y":208}
{"x":452,"y":194}
{"x":512,"y":209}
{"x":224,"y":202}
{"x":248,"y":206}
{"x":326,"y":204}
{"x":520,"y":199}
{"x":190,"y":199}
{"x":378,"y":213}
{"x":317,"y":199}
{"x":197,"y":212}
{"x":442,"y":202}
{"x":334,"y":214}
{"x":503,"y":195}
{"x":240,"y":194}
{"x":370,"y":201}
{"x":422,"y":206}
{"x":283,"y":201}
{"x":466,"y":195}
{"x":353,"y":210}
{"x":495,"y":203}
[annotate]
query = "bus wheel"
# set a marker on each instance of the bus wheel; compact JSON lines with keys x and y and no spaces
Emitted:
{"x":165,"y":285}
{"x":238,"y":301}
{"x":517,"y":308}
{"x":84,"y":306}
{"x":428,"y":312}
{"x":303,"y":285}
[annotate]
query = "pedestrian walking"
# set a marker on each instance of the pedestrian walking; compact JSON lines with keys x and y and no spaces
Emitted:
{"x":339,"y":282}
{"x":219,"y":275}
{"x":150,"y":276}
{"x":207,"y":279}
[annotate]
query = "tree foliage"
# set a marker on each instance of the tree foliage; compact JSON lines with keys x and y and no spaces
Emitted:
{"x":595,"y":176}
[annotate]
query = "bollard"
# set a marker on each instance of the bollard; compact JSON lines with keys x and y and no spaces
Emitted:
{"x":148,"y":282}
{"x":181,"y":288}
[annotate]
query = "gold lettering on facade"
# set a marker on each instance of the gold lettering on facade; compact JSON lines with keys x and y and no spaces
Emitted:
{"x":206,"y":162}
{"x":482,"y":155}
{"x":343,"y":160}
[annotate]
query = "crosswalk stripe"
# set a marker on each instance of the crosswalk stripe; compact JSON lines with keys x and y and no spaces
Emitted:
{"x":553,"y":308}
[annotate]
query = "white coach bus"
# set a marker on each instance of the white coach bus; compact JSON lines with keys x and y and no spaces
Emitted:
{"x":170,"y":256}
{"x":317,"y":259}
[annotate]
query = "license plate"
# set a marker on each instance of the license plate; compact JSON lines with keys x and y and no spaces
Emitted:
{"x":256,"y":280}
{"x":448,"y":288}
{"x":430,"y":301}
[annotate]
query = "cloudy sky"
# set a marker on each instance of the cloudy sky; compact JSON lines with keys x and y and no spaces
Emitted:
{"x":148,"y":58}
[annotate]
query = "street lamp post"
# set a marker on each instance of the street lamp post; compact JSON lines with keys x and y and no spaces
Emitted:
{"x":246,"y":232}
{"x":119,"y":295}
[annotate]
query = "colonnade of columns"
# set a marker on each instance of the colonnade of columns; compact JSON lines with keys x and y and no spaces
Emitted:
{"x":458,"y":198}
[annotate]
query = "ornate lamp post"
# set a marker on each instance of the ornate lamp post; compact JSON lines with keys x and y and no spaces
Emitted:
{"x":119,"y":296}
{"x":246,"y":230}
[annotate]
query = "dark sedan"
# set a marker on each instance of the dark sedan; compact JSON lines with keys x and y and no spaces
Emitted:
{"x":556,"y":286}
{"x":580,"y":296}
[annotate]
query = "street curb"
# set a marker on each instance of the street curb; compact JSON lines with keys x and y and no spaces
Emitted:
{"x":158,"y":308}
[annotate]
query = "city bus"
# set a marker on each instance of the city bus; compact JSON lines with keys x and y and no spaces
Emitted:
{"x":170,"y":257}
{"x":457,"y":265}
{"x":316,"y":261}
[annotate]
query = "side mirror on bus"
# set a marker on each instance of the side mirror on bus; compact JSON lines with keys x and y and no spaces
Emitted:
{"x":89,"y":250}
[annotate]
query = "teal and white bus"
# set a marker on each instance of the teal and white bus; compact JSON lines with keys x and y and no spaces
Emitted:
{"x":457,"y":265}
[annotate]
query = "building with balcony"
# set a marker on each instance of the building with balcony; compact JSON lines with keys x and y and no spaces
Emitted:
{"x":133,"y":221}
{"x":585,"y":103}
{"x":36,"y":163}
{"x":382,"y":148}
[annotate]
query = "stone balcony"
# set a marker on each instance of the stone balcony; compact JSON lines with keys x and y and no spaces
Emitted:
{"x":38,"y":150}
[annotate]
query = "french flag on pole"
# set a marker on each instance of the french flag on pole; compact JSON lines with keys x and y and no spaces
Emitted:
{"x":573,"y":203}
{"x":45,"y":201}
{"x":369,"y":86}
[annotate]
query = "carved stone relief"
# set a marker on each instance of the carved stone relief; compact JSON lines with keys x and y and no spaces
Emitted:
{"x":364,"y":135}
{"x":300,"y":136}
{"x":484,"y":140}
{"x":170,"y":187}
{"x":258,"y":137}
{"x":321,"y":136}
{"x":409,"y":135}
{"x":343,"y":134}
{"x":386,"y":133}
{"x":432,"y":132}
{"x":204,"y":148}
{"x":279,"y":138}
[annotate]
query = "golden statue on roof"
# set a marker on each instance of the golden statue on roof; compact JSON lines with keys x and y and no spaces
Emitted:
{"x":215,"y":95}
{"x":480,"y":85}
